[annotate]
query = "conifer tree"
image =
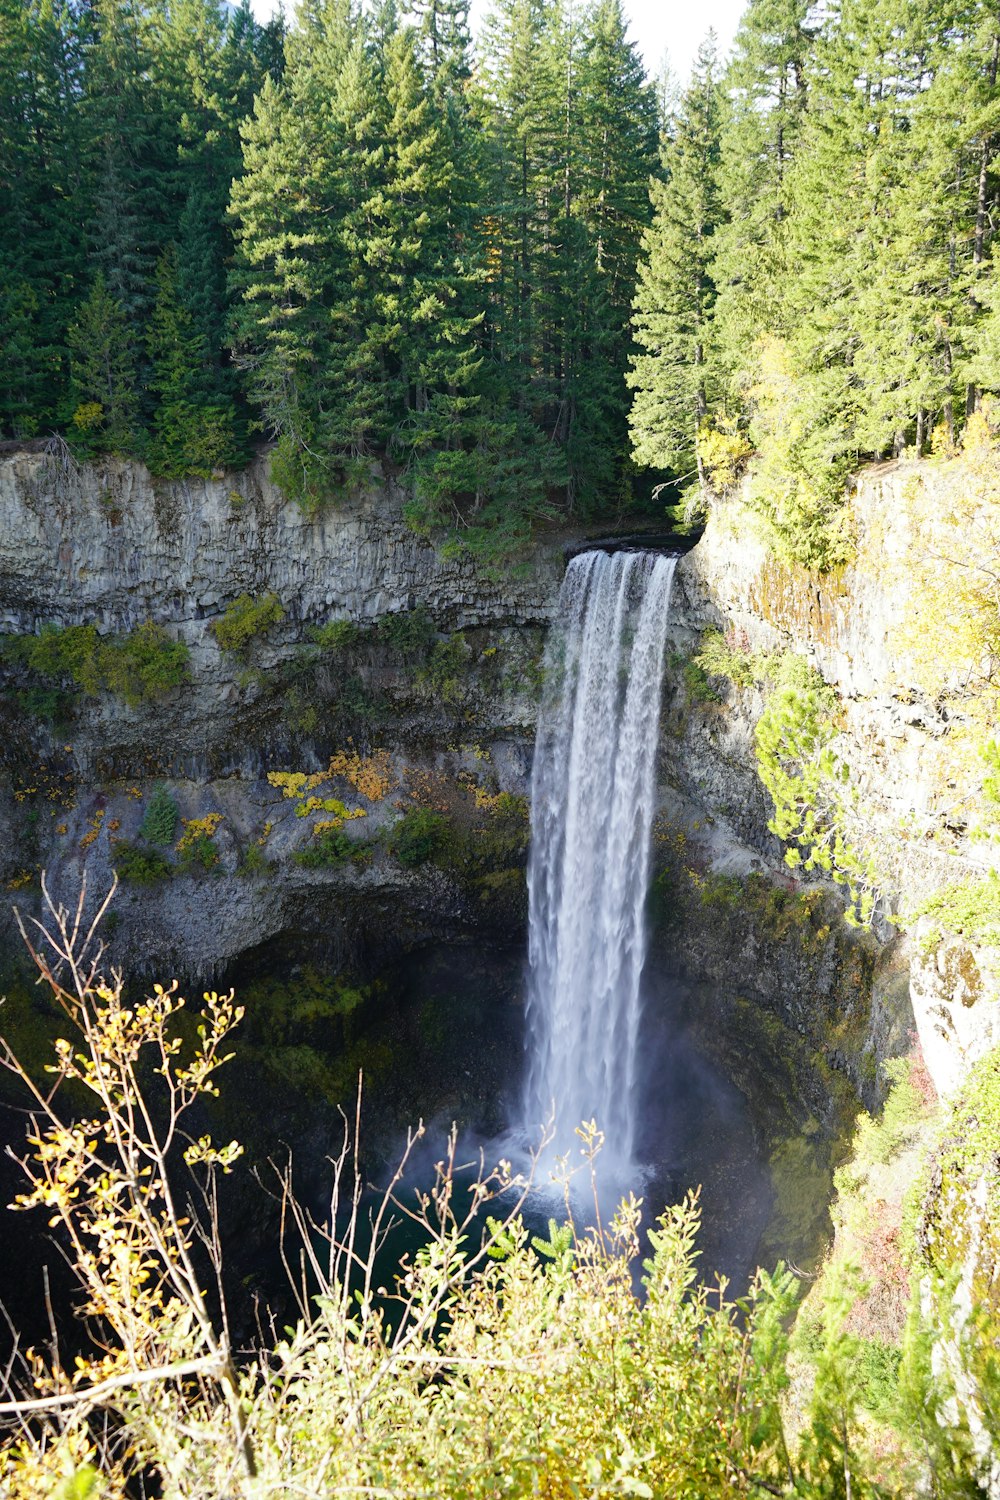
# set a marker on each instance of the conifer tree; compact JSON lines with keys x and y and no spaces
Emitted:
{"x":102,"y":374}
{"x":765,"y":100}
{"x":675,"y":378}
{"x":42,"y":206}
{"x":193,"y":421}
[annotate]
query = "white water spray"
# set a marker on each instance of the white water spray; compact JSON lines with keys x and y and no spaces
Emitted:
{"x":593,"y":788}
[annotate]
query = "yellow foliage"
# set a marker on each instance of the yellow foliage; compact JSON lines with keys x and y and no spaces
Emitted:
{"x":88,"y":415}
{"x":196,"y":828}
{"x":371,"y":775}
{"x":94,"y":829}
{"x":725,"y":453}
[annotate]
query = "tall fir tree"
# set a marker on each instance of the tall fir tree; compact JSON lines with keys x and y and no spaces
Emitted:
{"x":763,"y":110}
{"x":103,"y":374}
{"x":192,"y":426}
{"x":675,"y":379}
{"x":43,"y":201}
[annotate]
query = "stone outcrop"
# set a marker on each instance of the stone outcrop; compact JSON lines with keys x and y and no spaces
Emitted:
{"x":898,"y":738}
{"x":107,"y":543}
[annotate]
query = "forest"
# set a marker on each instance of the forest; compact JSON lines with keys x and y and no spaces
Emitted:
{"x":520,"y":275}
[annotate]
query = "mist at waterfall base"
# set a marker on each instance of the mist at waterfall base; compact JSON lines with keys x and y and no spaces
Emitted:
{"x":600,"y":1041}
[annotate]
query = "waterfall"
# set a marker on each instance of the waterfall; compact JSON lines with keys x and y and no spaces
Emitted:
{"x":593,"y":788}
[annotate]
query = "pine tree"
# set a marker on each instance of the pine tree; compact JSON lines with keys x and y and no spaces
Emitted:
{"x":618,"y":120}
{"x":765,"y":89}
{"x":42,"y":205}
{"x":193,"y":421}
{"x":134,"y":144}
{"x":102,"y":374}
{"x":675,"y":378}
{"x":301,"y":286}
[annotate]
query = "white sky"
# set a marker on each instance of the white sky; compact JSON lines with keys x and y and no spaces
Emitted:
{"x":671,"y":29}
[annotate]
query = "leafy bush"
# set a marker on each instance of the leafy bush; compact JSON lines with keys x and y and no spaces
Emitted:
{"x":196,"y":846}
{"x":145,"y":664}
{"x":245,"y":618}
{"x":254,"y":861}
{"x":335,"y":635}
{"x":418,"y":836}
{"x":408,"y":631}
{"x":159,"y":822}
{"x":443,"y":671}
{"x":698,"y":684}
{"x":717,"y":658}
{"x":140,"y":866}
{"x":809,"y":785}
{"x":331,"y":850}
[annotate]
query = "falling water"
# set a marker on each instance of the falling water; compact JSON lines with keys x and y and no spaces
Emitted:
{"x":593,"y":790}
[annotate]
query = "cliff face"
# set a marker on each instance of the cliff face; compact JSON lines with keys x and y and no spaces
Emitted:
{"x":895,"y":635}
{"x":449,"y":694}
{"x":107,"y":544}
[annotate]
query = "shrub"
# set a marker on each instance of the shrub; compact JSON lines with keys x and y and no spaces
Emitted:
{"x":196,"y":846}
{"x":444,"y":667}
{"x":140,"y":866}
{"x":145,"y":664}
{"x":418,"y":836}
{"x":245,"y":618}
{"x":335,"y":635}
{"x":408,"y":631}
{"x":332,"y":849}
{"x":254,"y":861}
{"x":718,"y":658}
{"x":159,"y":823}
{"x":697,"y":682}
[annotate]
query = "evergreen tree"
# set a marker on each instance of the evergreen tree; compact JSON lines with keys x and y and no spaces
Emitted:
{"x":42,"y":203}
{"x":675,"y":378}
{"x":765,"y":100}
{"x":134,"y":143}
{"x":618,"y":119}
{"x":102,"y":374}
{"x":193,"y":422}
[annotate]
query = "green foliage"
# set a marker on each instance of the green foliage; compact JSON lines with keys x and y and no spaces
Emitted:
{"x":698,"y":683}
{"x":443,"y":670}
{"x":410,"y":631}
{"x":333,"y":849}
{"x":335,"y":635}
{"x":103,"y":374}
{"x":139,"y":866}
{"x":147,"y":664}
{"x":244,"y":620}
{"x":159,"y":822}
{"x":140,"y":667}
{"x":674,"y":378}
{"x":419,"y":835}
{"x":199,"y":853}
{"x":254,"y":861}
{"x":970,"y":908}
{"x":807,"y":783}
{"x":194,"y":423}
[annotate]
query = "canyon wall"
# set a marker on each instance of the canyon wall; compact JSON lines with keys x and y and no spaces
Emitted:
{"x":110,"y":545}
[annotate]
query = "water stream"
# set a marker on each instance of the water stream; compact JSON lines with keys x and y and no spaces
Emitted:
{"x":592,"y":801}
